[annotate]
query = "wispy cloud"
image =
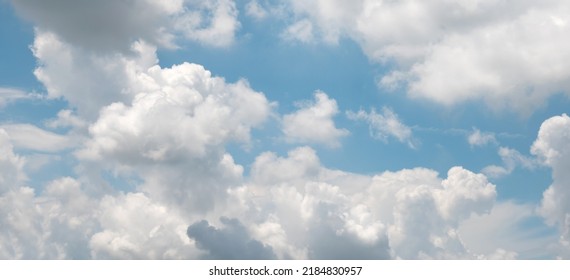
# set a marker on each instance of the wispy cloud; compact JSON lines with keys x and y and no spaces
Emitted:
{"x":385,"y":125}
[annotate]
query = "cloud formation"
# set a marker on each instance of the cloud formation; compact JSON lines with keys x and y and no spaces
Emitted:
{"x":510,"y":55}
{"x":313,"y":123}
{"x":552,"y":147}
{"x":478,"y":138}
{"x":27,"y":136}
{"x":154,"y":174}
{"x":405,"y":214}
{"x":384,"y":125}
{"x":511,"y":159}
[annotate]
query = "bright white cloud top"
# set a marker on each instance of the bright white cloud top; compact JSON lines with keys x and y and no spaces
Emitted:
{"x":115,"y":154}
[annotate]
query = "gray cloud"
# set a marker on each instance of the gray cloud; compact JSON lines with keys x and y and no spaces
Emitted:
{"x":228,"y":243}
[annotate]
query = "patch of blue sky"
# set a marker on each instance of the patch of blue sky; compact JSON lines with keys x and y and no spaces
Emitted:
{"x":16,"y":59}
{"x":34,"y":111}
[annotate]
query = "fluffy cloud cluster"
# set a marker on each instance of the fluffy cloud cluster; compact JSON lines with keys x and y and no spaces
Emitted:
{"x":299,"y":208}
{"x":552,"y":147}
{"x":63,"y":220}
{"x":298,"y":214}
{"x":88,"y":80}
{"x":96,"y":68}
{"x":509,"y":54}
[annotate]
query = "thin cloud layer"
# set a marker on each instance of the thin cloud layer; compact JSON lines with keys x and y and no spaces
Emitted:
{"x":385,"y":125}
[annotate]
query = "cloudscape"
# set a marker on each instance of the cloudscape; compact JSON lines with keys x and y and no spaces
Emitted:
{"x":262,"y":129}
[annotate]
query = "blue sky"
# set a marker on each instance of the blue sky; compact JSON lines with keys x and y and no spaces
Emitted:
{"x":394,"y":128}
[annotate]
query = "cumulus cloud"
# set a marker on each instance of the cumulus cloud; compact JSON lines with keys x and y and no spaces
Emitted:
{"x":64,"y":222}
{"x":87,"y":80}
{"x":232,"y":242}
{"x":405,"y":214}
{"x":478,"y":138}
{"x":168,"y":129}
{"x":313,"y":123}
{"x":507,"y":54}
{"x":11,"y":173}
{"x":135,"y":227}
{"x":174,"y":132}
{"x":183,"y":112}
{"x":384,"y":125}
{"x":96,"y":68}
{"x":553,"y":149}
{"x":55,"y":225}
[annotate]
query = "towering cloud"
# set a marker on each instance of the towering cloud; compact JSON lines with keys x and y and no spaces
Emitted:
{"x":552,"y":147}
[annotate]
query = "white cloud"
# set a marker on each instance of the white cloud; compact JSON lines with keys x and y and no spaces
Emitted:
{"x":96,"y":68}
{"x":64,"y":222}
{"x":384,"y":125}
{"x":183,"y":112}
{"x":30,"y":137}
{"x":173,"y":134}
{"x":135,"y":227}
{"x":168,"y":128}
{"x":55,"y":225}
{"x":506,"y":233}
{"x":511,"y":55}
{"x":10,"y":164}
{"x":255,"y":10}
{"x":427,"y":210}
{"x":87,"y":80}
{"x":213,"y":23}
{"x":66,"y":118}
{"x":313,"y":123}
{"x":552,"y":147}
{"x":478,"y":138}
{"x":299,"y":208}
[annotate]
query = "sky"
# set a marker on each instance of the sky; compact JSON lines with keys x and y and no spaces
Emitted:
{"x":260,"y":129}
